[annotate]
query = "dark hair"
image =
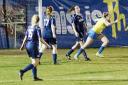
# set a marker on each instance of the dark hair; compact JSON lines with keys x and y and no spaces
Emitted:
{"x":50,"y":8}
{"x":105,"y":14}
{"x":71,"y":9}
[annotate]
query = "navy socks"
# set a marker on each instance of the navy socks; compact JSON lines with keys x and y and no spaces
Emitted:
{"x":54,"y":56}
{"x":27,"y":68}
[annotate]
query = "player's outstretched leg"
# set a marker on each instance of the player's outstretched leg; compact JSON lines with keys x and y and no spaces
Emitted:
{"x":22,"y":71}
{"x":78,"y":53}
{"x":85,"y":56}
{"x":99,"y":53}
{"x":69,"y":53}
{"x":72,"y":50}
{"x":105,"y":41}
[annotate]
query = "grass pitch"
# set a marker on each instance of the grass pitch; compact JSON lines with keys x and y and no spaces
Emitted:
{"x":110,"y":70}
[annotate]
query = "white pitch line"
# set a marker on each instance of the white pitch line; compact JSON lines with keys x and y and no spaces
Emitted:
{"x":7,"y":81}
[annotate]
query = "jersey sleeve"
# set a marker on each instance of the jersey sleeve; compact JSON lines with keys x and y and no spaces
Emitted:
{"x":26,"y":33}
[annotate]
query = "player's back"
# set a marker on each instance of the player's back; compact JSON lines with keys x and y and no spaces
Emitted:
{"x":99,"y":26}
{"x":33,"y":34}
{"x":47,"y":31}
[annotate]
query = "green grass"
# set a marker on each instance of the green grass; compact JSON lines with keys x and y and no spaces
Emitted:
{"x":110,"y":70}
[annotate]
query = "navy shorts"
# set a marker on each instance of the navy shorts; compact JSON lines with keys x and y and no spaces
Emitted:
{"x":32,"y":49}
{"x":78,"y":39}
{"x":50,"y":41}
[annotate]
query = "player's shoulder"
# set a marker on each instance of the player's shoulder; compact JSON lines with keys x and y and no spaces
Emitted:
{"x":36,"y":28}
{"x":101,"y":20}
{"x":53,"y":17}
{"x":28,"y":28}
{"x":73,"y":16}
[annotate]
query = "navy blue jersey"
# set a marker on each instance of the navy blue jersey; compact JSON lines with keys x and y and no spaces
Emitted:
{"x":72,"y":18}
{"x":33,"y":34}
{"x":47,"y":31}
{"x":79,"y":24}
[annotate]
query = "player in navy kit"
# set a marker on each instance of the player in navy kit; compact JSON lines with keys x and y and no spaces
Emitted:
{"x":79,"y":28}
{"x":49,"y":33}
{"x":31,"y":41}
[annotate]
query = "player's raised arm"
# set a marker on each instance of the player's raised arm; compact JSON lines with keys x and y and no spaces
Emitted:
{"x":110,"y":23}
{"x":107,"y":20}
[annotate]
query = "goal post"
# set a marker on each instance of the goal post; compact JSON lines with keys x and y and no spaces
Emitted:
{"x":40,"y":12}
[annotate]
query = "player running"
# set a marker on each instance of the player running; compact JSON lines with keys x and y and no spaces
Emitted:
{"x":31,"y":41}
{"x":79,"y":28}
{"x":49,"y":34}
{"x":96,"y":33}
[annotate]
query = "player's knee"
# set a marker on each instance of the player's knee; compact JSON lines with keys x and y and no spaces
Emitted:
{"x":35,"y":62}
{"x":44,"y":46}
{"x":54,"y":50}
{"x":106,"y":42}
{"x":54,"y":47}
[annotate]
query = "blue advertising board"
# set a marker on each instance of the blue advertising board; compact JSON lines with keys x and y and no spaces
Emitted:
{"x":91,"y":10}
